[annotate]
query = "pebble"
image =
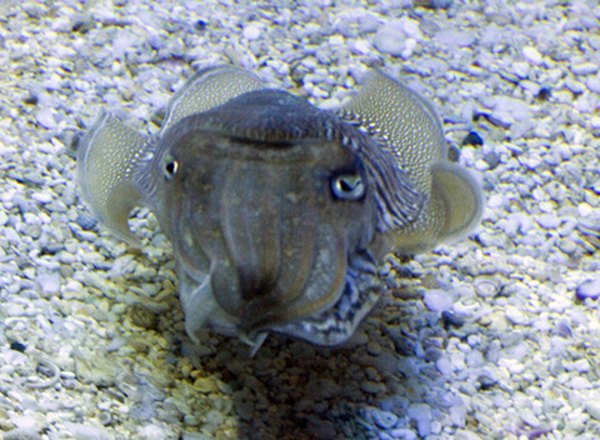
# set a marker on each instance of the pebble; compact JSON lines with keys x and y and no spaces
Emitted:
{"x":49,"y":283}
{"x":251,"y":32}
{"x":22,"y":434}
{"x":593,"y":409}
{"x":384,"y":419}
{"x":421,"y":414}
{"x":45,"y":118}
{"x":584,"y":68}
{"x":589,"y":289}
{"x":454,"y":38}
{"x":548,"y":221}
{"x":87,"y":222}
{"x":532,"y":55}
{"x":438,"y":300}
{"x":390,"y":39}
{"x":516,"y":316}
{"x":580,"y":383}
{"x":454,"y":319}
{"x":371,"y":387}
{"x":487,"y":287}
{"x":81,"y":431}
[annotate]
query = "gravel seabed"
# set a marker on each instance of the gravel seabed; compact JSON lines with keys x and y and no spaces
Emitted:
{"x":495,"y":337}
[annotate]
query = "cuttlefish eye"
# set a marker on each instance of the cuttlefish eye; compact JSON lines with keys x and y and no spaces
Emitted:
{"x":170,"y":168}
{"x":348,"y":186}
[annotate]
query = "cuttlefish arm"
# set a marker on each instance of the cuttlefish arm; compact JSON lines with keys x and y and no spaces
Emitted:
{"x":111,"y":154}
{"x":408,"y":127}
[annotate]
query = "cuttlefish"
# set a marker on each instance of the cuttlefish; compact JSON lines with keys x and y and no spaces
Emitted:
{"x":279,"y":212}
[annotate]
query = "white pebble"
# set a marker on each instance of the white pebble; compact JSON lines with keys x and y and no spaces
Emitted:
{"x":438,"y":300}
{"x":548,"y":221}
{"x":580,"y":383}
{"x":390,"y":39}
{"x":45,"y":118}
{"x":529,"y":417}
{"x":42,"y":197}
{"x":532,"y":55}
{"x":454,"y":38}
{"x":584,"y":68}
{"x":81,"y":431}
{"x":593,"y":409}
{"x":510,"y":110}
{"x":384,"y":419}
{"x":589,"y":289}
{"x":49,"y":283}
{"x":251,"y":32}
{"x":593,"y":84}
{"x":520,"y":69}
{"x":421,"y":414}
{"x":515,"y":316}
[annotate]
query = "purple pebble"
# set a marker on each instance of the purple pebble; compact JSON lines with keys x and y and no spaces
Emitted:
{"x":588,"y":289}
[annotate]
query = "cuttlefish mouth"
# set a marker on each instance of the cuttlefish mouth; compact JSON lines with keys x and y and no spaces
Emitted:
{"x":323,"y":305}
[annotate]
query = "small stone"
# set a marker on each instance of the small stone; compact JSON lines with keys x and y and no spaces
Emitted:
{"x":588,"y":289}
{"x":22,"y":434}
{"x":86,"y":222}
{"x":205,"y":385}
{"x":580,"y":383}
{"x":584,"y":68}
{"x":548,"y":221}
{"x":453,"y":319}
{"x":374,"y":348}
{"x":152,"y":432}
{"x":492,"y":159}
{"x":592,"y":408}
{"x":529,"y":417}
{"x":472,"y":138}
{"x":371,"y":387}
{"x":17,"y":346}
{"x":143,"y":317}
{"x":593,"y":83}
{"x":45,"y":117}
{"x":544,"y":94}
{"x":251,"y":32}
{"x":454,"y":38}
{"x":49,"y":283}
{"x":421,"y":414}
{"x":516,"y":317}
{"x":444,"y":366}
{"x":390,"y":39}
{"x":532,"y":55}
{"x":487,"y":287}
{"x":384,"y":419}
{"x":486,"y":381}
{"x":438,"y":300}
{"x":82,"y":431}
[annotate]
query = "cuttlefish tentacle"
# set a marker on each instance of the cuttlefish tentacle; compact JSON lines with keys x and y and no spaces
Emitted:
{"x":408,"y":127}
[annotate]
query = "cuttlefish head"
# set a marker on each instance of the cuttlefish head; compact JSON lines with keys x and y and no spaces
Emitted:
{"x":271,"y":212}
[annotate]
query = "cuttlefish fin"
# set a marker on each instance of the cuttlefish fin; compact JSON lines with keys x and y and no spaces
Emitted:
{"x":106,"y":159}
{"x":461,"y":197}
{"x":407,"y":126}
{"x":208,"y":88}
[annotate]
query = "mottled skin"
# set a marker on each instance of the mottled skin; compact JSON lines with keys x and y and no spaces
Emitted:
{"x":275,"y":207}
